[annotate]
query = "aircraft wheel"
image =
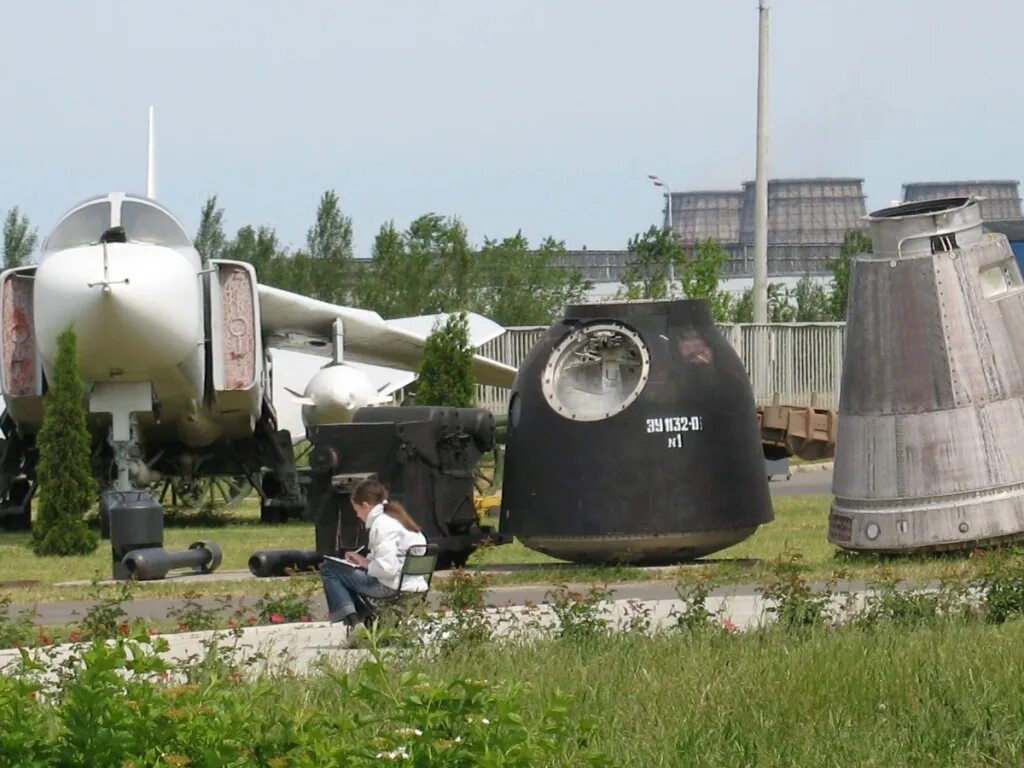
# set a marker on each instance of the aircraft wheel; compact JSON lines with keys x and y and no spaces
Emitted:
{"x":217,"y":492}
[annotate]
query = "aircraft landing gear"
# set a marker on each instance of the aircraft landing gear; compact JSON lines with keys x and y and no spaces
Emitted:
{"x":276,"y":504}
{"x":16,"y":506}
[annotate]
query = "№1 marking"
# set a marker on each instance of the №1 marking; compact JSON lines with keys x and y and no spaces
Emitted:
{"x":677,"y":425}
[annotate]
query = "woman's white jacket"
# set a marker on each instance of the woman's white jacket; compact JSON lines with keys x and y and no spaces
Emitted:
{"x":389,"y":540}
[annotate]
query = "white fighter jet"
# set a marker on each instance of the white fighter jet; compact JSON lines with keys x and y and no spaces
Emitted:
{"x":174,"y":351}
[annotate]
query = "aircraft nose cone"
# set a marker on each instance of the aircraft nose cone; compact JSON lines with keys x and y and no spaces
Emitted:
{"x":147,"y":317}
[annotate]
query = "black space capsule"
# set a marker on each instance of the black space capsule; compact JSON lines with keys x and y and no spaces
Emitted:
{"x":633,"y":438}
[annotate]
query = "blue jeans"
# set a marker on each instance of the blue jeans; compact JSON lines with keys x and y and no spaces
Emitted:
{"x":346,"y":587}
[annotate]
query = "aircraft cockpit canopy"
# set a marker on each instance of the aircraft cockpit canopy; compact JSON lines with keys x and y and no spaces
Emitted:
{"x":143,"y":221}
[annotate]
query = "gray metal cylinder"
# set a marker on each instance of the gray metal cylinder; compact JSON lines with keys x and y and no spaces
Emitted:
{"x":135,"y":520}
{"x":930,"y":449}
{"x":279,"y":562}
{"x":154,"y":562}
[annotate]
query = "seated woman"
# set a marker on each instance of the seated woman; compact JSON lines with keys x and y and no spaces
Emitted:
{"x":391,"y":533}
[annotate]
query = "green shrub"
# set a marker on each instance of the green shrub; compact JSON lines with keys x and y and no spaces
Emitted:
{"x":111,"y":710}
{"x":67,"y":489}
{"x":446,"y":373}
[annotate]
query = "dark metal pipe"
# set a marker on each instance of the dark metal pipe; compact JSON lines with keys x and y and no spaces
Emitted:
{"x":278,"y":562}
{"x":154,"y":562}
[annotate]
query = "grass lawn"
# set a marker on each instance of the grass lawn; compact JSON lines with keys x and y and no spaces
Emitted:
{"x":799,"y":529}
{"x":944,"y":695}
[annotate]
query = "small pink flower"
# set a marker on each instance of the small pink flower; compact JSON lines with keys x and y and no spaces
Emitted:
{"x":276,"y":618}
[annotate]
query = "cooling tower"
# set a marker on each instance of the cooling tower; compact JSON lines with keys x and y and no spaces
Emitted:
{"x":930,"y":451}
{"x":806,"y":211}
{"x":633,"y":438}
{"x":700,"y":215}
{"x":807,"y":220}
{"x":1001,"y":198}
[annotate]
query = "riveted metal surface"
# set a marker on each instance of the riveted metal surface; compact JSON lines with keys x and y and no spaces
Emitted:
{"x":930,"y":451}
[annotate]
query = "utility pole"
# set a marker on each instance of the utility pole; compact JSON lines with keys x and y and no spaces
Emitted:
{"x":668,"y":225}
{"x":760,"y":290}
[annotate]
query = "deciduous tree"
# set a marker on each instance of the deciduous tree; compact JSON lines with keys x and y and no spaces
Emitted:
{"x":700,"y":274}
{"x":260,"y":247}
{"x":329,"y":250}
{"x":779,"y":308}
{"x":522,"y":286}
{"x":854,"y":242}
{"x":19,"y":239}
{"x":210,"y":238}
{"x":654,"y":256}
{"x":813,"y":301}
{"x":428,"y":268}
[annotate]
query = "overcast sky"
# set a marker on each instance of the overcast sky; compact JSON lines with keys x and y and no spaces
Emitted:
{"x":542,"y":115}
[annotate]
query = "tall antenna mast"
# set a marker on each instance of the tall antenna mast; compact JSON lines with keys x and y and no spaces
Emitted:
{"x":760,"y":289}
{"x":151,"y":156}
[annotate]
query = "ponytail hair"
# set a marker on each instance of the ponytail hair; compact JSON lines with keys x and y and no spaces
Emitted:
{"x":374,"y":492}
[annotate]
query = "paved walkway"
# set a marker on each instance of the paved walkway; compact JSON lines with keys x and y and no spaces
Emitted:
{"x":299,"y":648}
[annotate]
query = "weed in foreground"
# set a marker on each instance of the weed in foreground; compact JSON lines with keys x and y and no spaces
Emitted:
{"x":1002,"y":589}
{"x":794,"y":603}
{"x":694,"y":615}
{"x":580,"y":615}
{"x":16,"y":629}
{"x":107,"y":616}
{"x":296,"y":604}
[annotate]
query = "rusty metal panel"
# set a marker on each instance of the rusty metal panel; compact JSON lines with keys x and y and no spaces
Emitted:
{"x":239,"y":332}
{"x":20,"y":355}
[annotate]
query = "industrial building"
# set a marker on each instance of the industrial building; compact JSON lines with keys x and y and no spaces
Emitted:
{"x":807,"y":220}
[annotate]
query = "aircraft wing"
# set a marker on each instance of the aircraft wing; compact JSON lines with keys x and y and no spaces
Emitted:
{"x":302,"y":324}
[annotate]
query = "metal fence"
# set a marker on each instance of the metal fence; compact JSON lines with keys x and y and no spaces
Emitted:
{"x":799,"y":361}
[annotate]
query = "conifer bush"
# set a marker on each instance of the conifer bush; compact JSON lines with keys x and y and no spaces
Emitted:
{"x":446,"y":374}
{"x":67,"y":489}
